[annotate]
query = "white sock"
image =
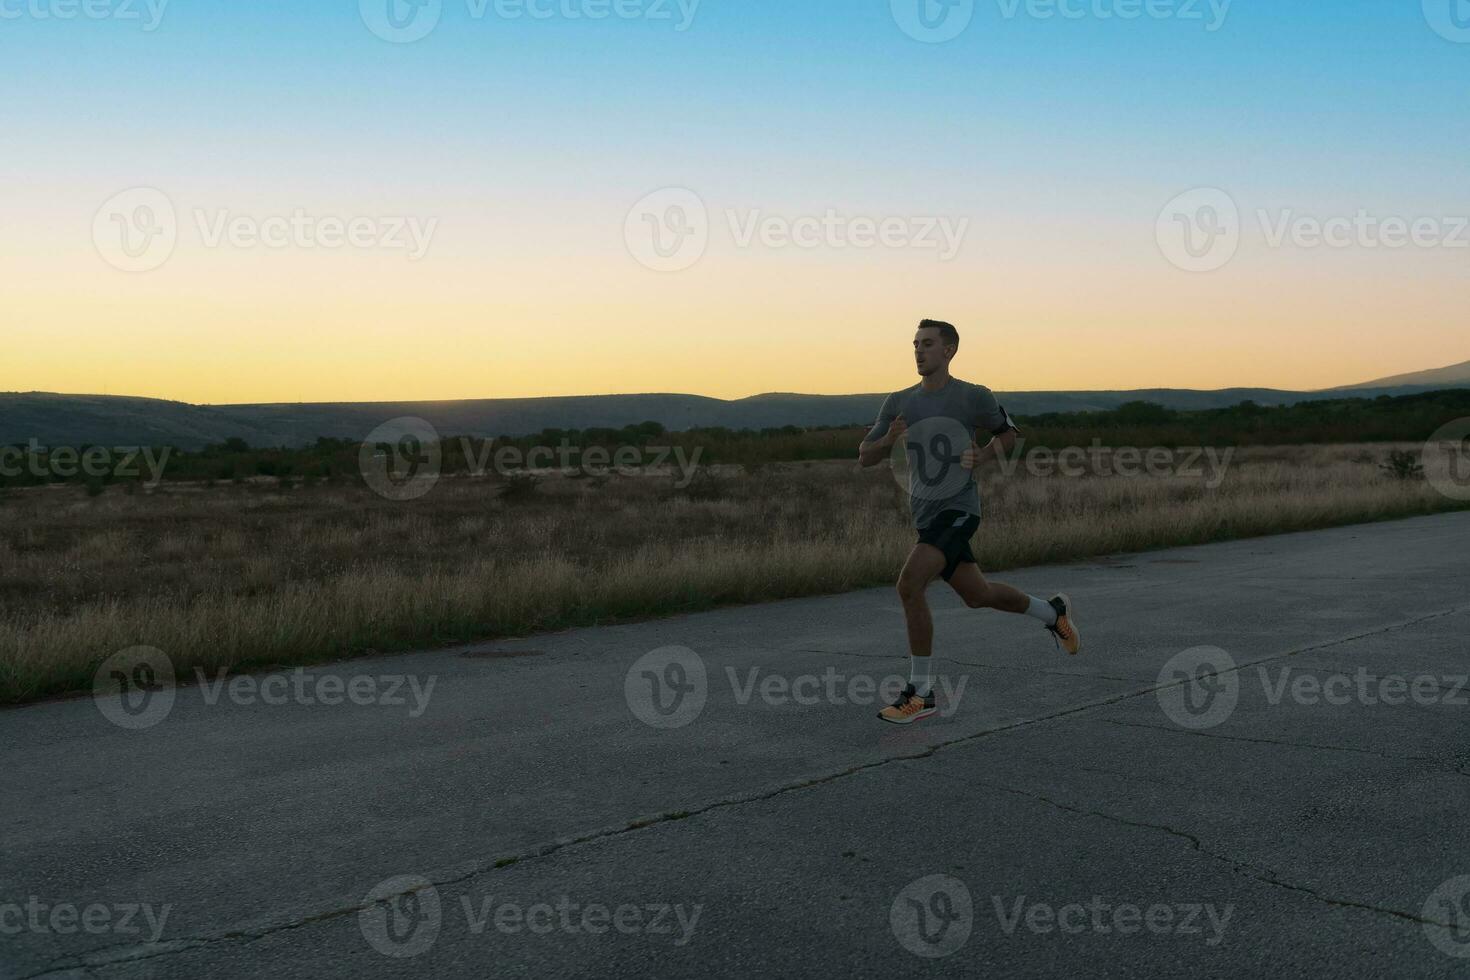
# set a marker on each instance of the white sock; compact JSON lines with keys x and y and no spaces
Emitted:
{"x":1042,"y":610}
{"x":919,"y":675}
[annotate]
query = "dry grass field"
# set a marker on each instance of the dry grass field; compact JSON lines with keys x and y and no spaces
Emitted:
{"x":246,"y":576}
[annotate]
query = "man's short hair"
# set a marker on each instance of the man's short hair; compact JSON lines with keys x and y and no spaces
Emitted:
{"x":947,"y":333}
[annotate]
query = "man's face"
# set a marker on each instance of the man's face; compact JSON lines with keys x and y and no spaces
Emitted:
{"x":930,"y":354}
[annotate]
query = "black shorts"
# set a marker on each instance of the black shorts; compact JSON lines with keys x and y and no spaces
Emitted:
{"x":950,"y":532}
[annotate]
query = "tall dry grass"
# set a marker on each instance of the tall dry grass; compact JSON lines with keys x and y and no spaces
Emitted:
{"x":246,"y":576}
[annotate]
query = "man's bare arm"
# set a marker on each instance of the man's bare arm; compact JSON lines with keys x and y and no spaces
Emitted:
{"x":875,"y":452}
{"x":975,"y":455}
{"x":1004,"y":443}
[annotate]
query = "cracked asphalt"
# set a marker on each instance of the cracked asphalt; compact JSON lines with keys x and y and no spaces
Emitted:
{"x":1258,"y":766}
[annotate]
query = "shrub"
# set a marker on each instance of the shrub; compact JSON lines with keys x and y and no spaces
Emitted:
{"x":519,"y":487}
{"x":1403,"y":465}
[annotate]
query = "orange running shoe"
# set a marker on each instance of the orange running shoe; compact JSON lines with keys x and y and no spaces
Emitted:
{"x":909,"y":708}
{"x":1065,"y":631}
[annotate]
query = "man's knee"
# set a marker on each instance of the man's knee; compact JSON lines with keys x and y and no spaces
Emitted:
{"x":980,"y":599}
{"x":910,"y":590}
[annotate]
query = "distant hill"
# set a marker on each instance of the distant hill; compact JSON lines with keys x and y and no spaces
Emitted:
{"x":57,"y":419}
{"x":1454,"y":376}
{"x":112,"y":420}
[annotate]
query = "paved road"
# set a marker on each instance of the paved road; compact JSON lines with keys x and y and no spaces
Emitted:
{"x":1292,"y":802}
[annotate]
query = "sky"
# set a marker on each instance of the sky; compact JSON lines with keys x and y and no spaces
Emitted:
{"x":365,"y":200}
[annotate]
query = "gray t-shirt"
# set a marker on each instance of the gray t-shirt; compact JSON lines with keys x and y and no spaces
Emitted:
{"x":941,"y":426}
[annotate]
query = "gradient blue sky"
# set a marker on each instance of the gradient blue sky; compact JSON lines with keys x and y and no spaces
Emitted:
{"x":530,"y":140}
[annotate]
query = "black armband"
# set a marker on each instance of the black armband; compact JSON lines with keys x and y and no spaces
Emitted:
{"x":1010,"y":423}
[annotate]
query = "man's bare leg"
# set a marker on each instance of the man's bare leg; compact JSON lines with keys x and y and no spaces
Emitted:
{"x":978,"y":593}
{"x":917,"y":700}
{"x":924,"y":565}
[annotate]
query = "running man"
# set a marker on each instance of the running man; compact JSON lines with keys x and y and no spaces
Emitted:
{"x":939,"y":419}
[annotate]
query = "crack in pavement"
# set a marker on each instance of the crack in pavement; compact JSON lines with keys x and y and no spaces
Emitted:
{"x":1254,"y":871}
{"x":1038,"y":759}
{"x":90,"y":961}
{"x":151,"y":951}
{"x":1286,"y":743}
